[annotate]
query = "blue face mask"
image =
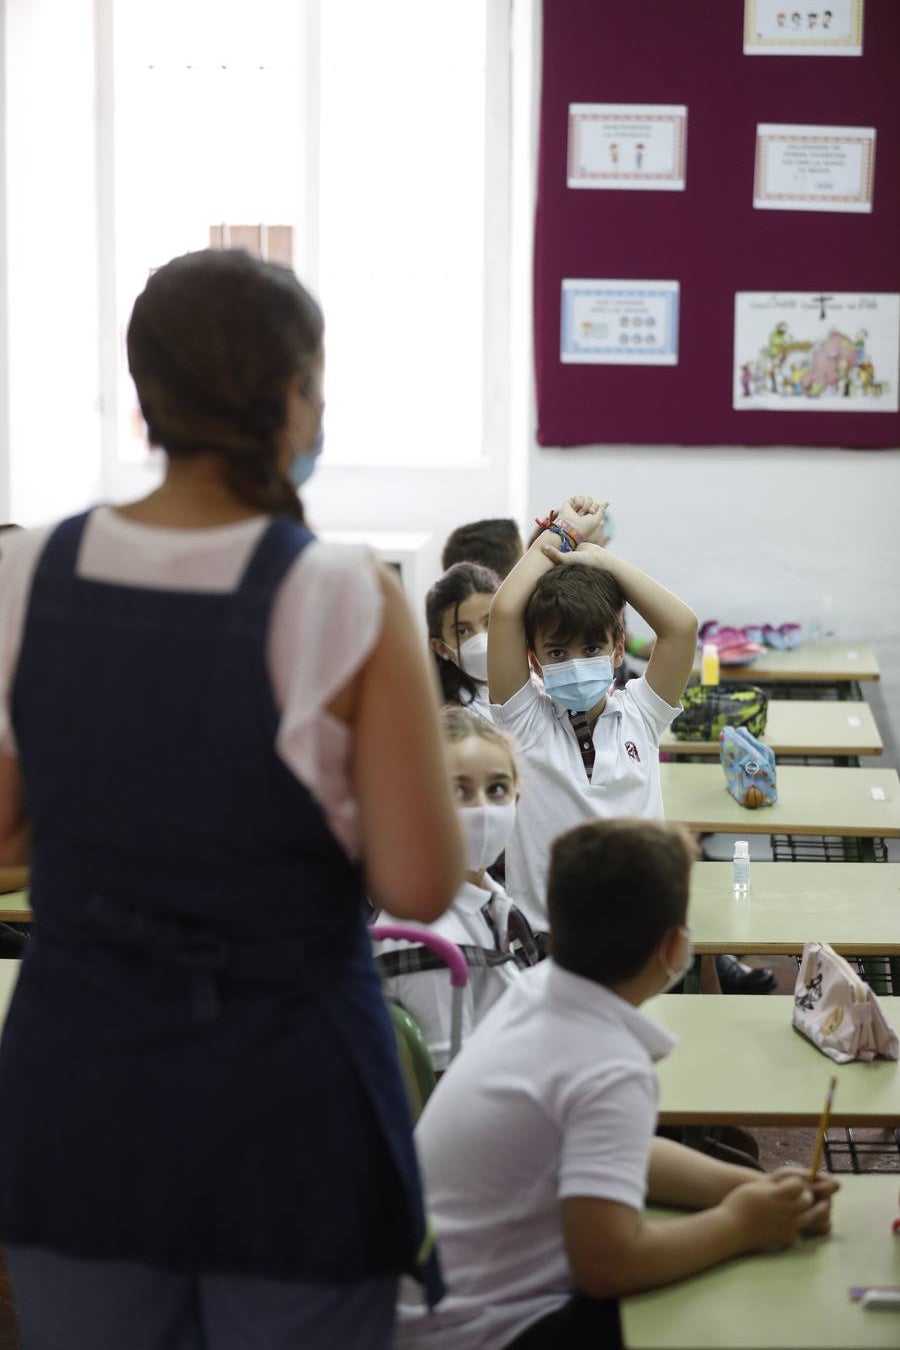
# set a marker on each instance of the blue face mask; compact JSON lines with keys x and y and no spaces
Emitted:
{"x":303,"y":466}
{"x":579,"y":684}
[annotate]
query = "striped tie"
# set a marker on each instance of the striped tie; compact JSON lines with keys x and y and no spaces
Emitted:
{"x":582,"y":729}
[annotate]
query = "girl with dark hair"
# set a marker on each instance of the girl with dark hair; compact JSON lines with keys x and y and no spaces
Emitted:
{"x":217,"y":736}
{"x":457,"y":609}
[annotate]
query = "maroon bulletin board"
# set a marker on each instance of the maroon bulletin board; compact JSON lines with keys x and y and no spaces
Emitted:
{"x":709,"y":238}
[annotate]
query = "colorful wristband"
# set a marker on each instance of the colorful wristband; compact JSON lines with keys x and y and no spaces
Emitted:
{"x":569,"y":536}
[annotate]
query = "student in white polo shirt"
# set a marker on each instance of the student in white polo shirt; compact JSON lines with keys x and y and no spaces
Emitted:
{"x":538,"y":1149}
{"x":493,"y":936}
{"x":586,"y":752}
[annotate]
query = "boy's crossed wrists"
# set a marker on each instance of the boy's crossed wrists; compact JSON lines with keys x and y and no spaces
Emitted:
{"x":569,"y":537}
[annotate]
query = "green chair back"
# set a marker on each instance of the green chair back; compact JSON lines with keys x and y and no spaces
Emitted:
{"x":415,"y":1061}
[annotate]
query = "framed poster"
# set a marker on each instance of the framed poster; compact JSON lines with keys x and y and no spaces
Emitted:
{"x":619,"y":323}
{"x":800,"y":352}
{"x":800,"y":168}
{"x":627,"y":145}
{"x":774,"y":28}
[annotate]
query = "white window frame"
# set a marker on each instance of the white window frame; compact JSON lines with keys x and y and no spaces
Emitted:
{"x":374,"y":491}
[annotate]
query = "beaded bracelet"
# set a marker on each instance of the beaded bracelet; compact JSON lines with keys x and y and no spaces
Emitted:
{"x":569,"y":536}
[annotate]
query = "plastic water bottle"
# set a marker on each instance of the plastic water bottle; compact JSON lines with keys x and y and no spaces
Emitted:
{"x":741,"y":867}
{"x":709,"y":664}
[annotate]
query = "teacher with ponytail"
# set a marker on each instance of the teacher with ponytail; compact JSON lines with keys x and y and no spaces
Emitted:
{"x":218,"y":735}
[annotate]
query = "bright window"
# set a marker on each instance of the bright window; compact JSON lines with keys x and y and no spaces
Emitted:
{"x":356,"y":131}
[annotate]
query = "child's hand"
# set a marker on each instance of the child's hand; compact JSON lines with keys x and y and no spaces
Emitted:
{"x":771,"y":1213}
{"x":585,"y":514}
{"x":817,"y":1219}
{"x":590,"y":555}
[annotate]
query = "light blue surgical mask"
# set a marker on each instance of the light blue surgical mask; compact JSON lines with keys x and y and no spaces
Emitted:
{"x":578,"y":684}
{"x":609,"y":528}
{"x":303,"y":465}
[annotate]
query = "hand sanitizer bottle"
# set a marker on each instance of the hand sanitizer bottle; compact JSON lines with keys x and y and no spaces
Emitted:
{"x":741,"y":867}
{"x":709,"y":664}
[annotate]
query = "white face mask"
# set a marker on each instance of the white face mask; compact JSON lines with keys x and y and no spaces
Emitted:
{"x":487,"y":831}
{"x":675,"y":976}
{"x":473,"y":657}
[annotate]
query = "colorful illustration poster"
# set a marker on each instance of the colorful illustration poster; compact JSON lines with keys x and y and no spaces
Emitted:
{"x":802,"y":168}
{"x":619,"y":323}
{"x":773,"y":28}
{"x":800,"y":352}
{"x":633,"y":146}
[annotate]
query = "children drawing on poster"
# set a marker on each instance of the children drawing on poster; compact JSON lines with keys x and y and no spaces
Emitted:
{"x":816,"y":353}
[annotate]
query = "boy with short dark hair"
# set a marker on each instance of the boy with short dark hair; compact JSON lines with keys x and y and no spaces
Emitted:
{"x":492,"y":543}
{"x":587,"y":752}
{"x":538,"y":1149}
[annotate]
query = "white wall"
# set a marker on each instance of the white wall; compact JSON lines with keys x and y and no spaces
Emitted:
{"x":744,"y":535}
{"x":757,"y":535}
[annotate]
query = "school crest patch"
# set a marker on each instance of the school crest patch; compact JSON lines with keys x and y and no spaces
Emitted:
{"x":632,"y":751}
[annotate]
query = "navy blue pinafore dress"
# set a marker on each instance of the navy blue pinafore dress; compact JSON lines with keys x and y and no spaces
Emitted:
{"x":197,"y":1070}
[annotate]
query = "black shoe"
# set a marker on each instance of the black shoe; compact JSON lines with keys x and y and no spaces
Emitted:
{"x":735,"y":1136}
{"x":12,"y":944}
{"x":715,"y":1148}
{"x":736,"y":978}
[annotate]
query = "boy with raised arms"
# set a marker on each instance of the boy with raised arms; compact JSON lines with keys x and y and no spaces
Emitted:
{"x":587,"y":752}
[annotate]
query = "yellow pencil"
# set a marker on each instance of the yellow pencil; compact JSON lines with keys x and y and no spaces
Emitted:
{"x":823,"y":1126}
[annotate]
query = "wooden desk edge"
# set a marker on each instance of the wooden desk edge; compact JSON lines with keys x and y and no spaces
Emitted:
{"x":676,"y":747}
{"x":733,"y":674}
{"x":18,"y":915}
{"x":750,"y":826}
{"x":760,"y":947}
{"x":719,"y":1116}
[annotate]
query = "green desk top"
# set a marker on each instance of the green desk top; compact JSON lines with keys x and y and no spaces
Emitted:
{"x":739,"y":1061}
{"x":811,"y":800}
{"x":829,"y":662}
{"x":14,"y":908}
{"x":798,"y":728}
{"x":790,"y":1300}
{"x":854,"y":906}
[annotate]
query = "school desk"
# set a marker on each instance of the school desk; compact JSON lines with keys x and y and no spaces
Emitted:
{"x":9,"y":973}
{"x":830,"y":730}
{"x":13,"y":879}
{"x":812,"y":799}
{"x":739,"y":1061}
{"x":787,"y":1300}
{"x":838,"y":664}
{"x":853,"y":906}
{"x":14,"y":907}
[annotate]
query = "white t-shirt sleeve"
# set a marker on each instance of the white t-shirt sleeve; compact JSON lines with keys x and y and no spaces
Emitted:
{"x":526,"y":716}
{"x":655,"y":711}
{"x":19,"y":552}
{"x":607,"y":1128}
{"x":325,"y":622}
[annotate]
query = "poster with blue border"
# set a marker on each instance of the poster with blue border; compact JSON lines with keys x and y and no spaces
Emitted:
{"x":619,"y":323}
